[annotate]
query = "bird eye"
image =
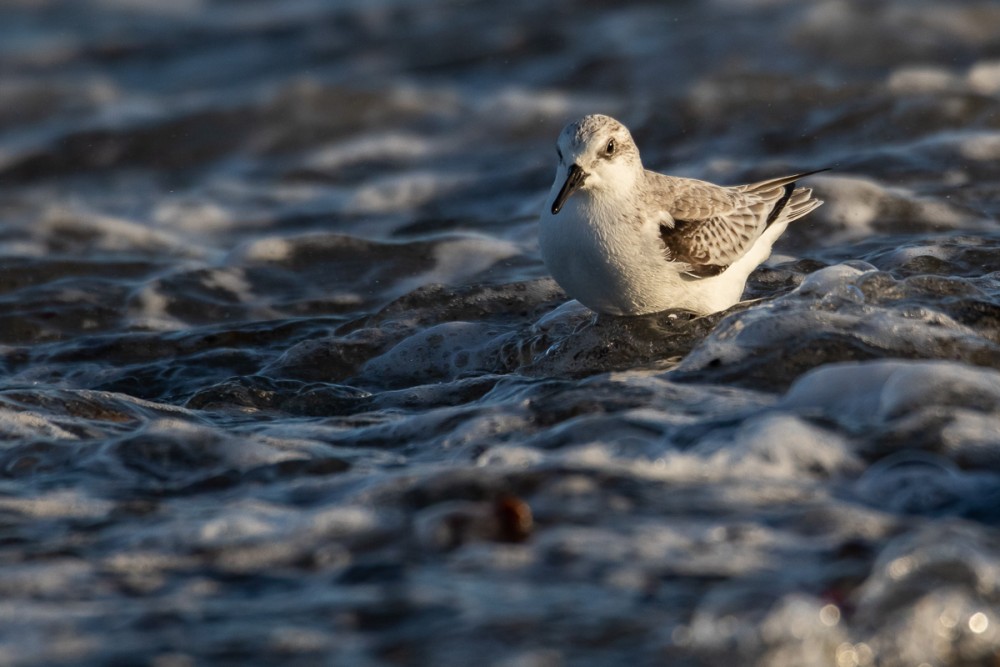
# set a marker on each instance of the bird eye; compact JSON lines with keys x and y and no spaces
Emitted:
{"x":610,"y":148}
{"x":559,"y":153}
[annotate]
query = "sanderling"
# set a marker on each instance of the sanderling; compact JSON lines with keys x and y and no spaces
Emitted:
{"x":633,"y":241}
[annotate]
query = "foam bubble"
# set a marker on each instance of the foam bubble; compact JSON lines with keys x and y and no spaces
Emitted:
{"x":402,"y":193}
{"x":16,"y":424}
{"x":980,"y":146}
{"x":269,"y":249}
{"x":876,"y":391}
{"x":460,"y":259}
{"x":984,"y":77}
{"x":780,"y":446}
{"x":381,"y":146}
{"x":114,"y":234}
{"x":922,"y":80}
{"x":67,"y":504}
{"x":833,"y":278}
{"x":859,"y":207}
{"x":442,"y":351}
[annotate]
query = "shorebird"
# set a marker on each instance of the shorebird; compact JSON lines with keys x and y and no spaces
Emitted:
{"x":624,"y":240}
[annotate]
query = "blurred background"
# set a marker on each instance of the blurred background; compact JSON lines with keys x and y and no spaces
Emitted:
{"x":214,"y":123}
{"x":280,"y":363}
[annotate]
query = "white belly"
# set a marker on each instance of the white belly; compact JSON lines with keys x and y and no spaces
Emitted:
{"x":607,"y":272}
{"x":620,"y":270}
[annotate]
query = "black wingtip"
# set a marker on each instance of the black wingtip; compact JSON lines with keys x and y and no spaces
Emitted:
{"x":779,"y":205}
{"x":814,"y":171}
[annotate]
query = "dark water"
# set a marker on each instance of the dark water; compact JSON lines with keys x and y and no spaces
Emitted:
{"x":283,"y":379}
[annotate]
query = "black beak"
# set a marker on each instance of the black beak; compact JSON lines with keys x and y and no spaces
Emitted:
{"x":573,"y":182}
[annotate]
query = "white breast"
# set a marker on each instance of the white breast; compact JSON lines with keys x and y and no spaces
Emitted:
{"x":602,"y":258}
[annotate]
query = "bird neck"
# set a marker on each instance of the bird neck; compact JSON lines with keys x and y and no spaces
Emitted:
{"x":620,"y":192}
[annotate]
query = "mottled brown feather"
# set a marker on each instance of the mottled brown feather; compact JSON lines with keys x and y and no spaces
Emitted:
{"x":709,"y":226}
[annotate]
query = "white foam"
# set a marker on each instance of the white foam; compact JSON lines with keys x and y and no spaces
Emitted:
{"x":241,"y":521}
{"x":344,"y":520}
{"x":442,"y":351}
{"x":975,"y":433}
{"x":113,"y":234}
{"x":510,"y":456}
{"x":237,"y":452}
{"x":401,"y":193}
{"x":984,"y":77}
{"x":484,"y":429}
{"x":737,"y":338}
{"x":569,"y":313}
{"x":268,"y":249}
{"x":980,"y":146}
{"x":799,"y":629}
{"x":914,"y":385}
{"x":148,"y":309}
{"x":69,"y":504}
{"x":459,"y":259}
{"x":19,"y":424}
{"x":875,"y":391}
{"x":858,"y":206}
{"x":524,"y":105}
{"x":189,"y":214}
{"x":48,"y":578}
{"x":829,"y":300}
{"x":832,"y":279}
{"x":931,"y":583}
{"x":922,"y":79}
{"x":232,"y":280}
{"x":385,"y":145}
{"x":901,"y":255}
{"x":778,"y":446}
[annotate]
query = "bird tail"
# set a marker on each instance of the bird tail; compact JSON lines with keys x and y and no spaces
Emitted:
{"x":800,"y":203}
{"x":790,"y":203}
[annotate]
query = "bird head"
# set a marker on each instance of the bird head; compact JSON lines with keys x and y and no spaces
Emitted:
{"x":596,"y":153}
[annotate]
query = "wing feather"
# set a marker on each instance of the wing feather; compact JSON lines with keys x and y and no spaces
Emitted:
{"x":709,"y":226}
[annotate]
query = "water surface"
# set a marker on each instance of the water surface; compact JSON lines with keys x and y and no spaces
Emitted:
{"x":283,"y":379}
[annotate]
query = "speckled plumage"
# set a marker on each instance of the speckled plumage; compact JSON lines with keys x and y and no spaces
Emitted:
{"x":627,"y":241}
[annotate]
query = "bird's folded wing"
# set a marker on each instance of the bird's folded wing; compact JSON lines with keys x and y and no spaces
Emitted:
{"x":710,"y":226}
